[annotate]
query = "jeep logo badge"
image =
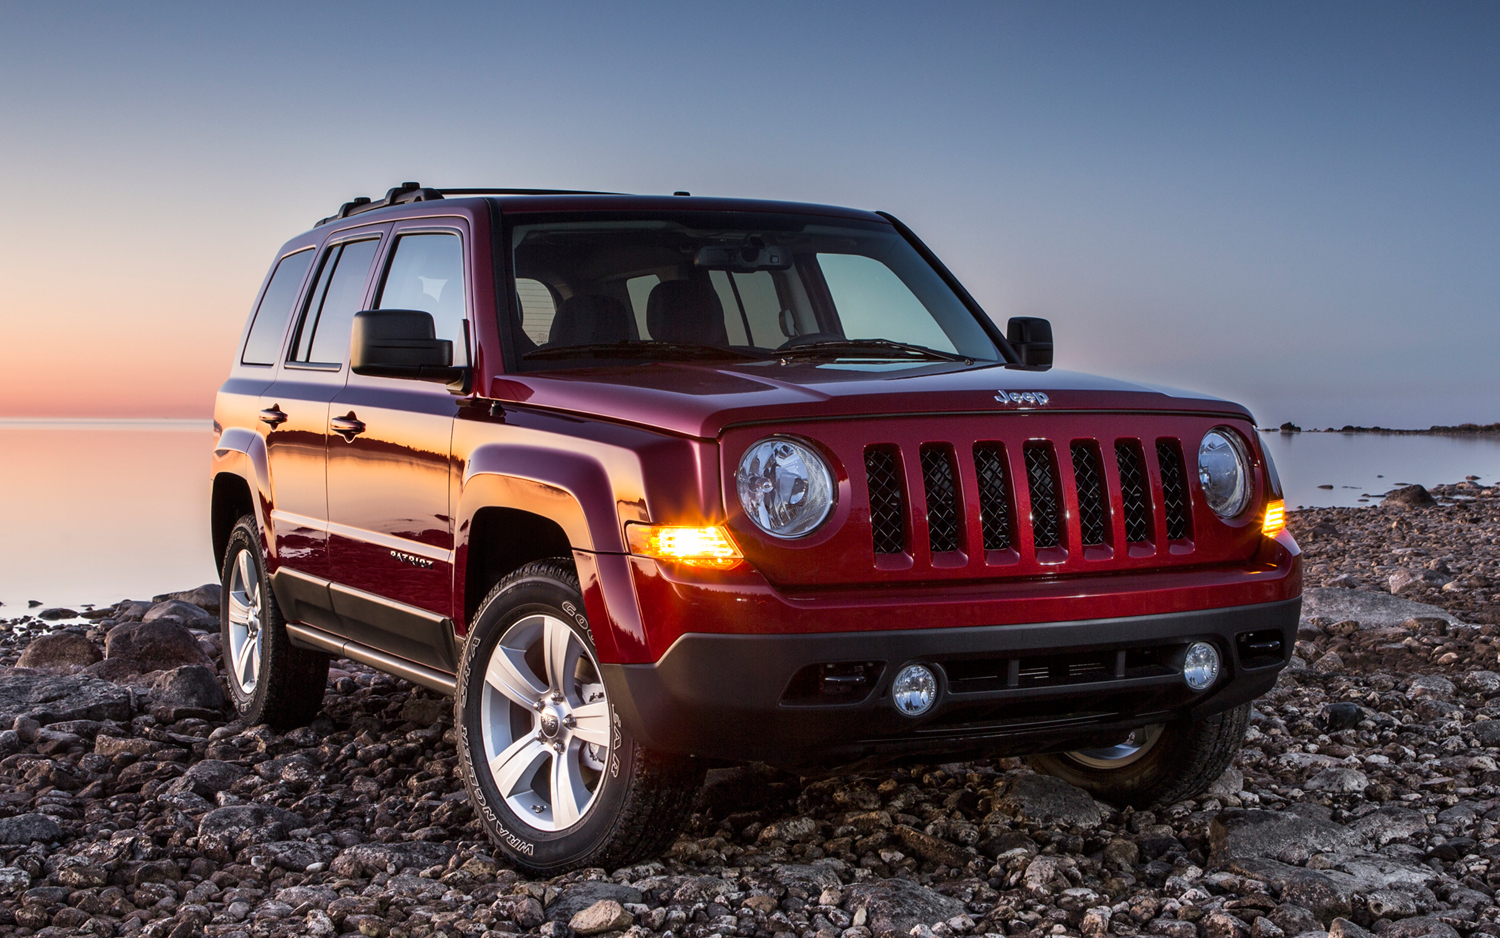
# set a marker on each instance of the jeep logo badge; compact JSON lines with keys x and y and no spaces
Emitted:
{"x":1024,"y":398}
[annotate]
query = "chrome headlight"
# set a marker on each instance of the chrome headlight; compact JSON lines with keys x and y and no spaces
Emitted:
{"x":785,"y":487}
{"x":1224,"y":472}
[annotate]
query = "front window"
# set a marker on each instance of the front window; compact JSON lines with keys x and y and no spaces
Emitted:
{"x":604,"y":289}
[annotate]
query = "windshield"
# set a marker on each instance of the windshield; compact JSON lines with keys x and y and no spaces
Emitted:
{"x":602,"y":289}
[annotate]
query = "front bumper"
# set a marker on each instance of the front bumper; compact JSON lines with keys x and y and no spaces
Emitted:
{"x":1003,"y":689}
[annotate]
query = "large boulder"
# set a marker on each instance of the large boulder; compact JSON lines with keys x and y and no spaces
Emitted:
{"x":1408,"y":496}
{"x":59,"y":651}
{"x":186,"y":613}
{"x":192,"y":686}
{"x":29,"y":828}
{"x":369,"y":859}
{"x":53,"y":698}
{"x":1237,"y":834}
{"x":158,"y":645}
{"x":207,"y":778}
{"x":1044,"y":801}
{"x":893,"y":907}
{"x":204,"y":597}
{"x":224,"y":832}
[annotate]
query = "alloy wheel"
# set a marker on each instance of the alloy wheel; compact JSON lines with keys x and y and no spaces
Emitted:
{"x":1133,"y":748}
{"x":245,"y":611}
{"x":544,"y":720}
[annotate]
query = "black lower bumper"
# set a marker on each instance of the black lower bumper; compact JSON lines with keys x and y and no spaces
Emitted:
{"x":824,"y":699}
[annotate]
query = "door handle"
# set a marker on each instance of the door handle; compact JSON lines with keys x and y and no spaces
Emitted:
{"x":347,"y":426}
{"x":273,"y":415}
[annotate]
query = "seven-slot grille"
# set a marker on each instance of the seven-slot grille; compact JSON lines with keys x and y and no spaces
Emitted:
{"x":1042,"y":496}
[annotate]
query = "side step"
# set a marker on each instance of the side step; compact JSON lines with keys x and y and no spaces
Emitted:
{"x":306,"y":636}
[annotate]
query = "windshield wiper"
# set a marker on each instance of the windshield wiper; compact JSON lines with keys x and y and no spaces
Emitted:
{"x":643,"y":349}
{"x":877,"y":347}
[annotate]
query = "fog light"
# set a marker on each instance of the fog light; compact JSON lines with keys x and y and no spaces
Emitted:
{"x":915,"y":690}
{"x":1201,"y":666}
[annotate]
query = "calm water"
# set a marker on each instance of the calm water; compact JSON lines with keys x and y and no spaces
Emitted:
{"x":98,"y":511}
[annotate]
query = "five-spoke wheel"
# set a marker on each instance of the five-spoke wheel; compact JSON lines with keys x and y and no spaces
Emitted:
{"x":243,"y":653}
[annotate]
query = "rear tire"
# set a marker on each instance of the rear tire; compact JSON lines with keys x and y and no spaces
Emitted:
{"x":555,"y":778}
{"x":270,"y":680}
{"x":1173,"y":762}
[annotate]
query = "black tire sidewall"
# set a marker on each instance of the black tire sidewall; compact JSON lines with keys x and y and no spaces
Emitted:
{"x":246,"y":538}
{"x":530,"y":593}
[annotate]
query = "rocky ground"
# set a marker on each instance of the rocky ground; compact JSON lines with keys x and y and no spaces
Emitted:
{"x":1366,"y":798}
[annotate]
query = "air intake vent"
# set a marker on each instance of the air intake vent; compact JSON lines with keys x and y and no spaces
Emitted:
{"x":994,"y":503}
{"x":1046,"y":504}
{"x":1174,"y":490}
{"x":1137,"y":507}
{"x":887,"y":514}
{"x":1093,"y":514}
{"x":942,"y":498}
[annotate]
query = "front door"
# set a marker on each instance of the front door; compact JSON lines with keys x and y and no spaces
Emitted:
{"x":294,"y":409}
{"x":390,"y":525}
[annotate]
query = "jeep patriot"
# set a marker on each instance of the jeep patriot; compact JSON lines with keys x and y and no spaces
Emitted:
{"x":654,"y":483}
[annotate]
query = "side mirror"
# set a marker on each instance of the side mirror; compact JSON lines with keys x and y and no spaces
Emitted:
{"x":401,"y":343}
{"x":1032,"y":340}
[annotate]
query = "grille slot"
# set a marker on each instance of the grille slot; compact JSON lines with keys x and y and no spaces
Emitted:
{"x":1174,"y":489}
{"x":887,"y":514}
{"x":994,"y":502}
{"x":1046,"y":502}
{"x":1133,"y":491}
{"x":942,"y":498}
{"x":1093,"y":502}
{"x":1061,"y":670}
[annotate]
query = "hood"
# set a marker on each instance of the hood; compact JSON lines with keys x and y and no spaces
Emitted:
{"x":701,"y":400}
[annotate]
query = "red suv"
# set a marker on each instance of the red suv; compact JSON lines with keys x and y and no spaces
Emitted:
{"x":652,"y":483}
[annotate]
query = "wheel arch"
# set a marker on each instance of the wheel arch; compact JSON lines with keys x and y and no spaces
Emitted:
{"x":241,"y":486}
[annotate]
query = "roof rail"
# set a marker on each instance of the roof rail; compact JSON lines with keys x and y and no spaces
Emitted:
{"x":416,"y":192}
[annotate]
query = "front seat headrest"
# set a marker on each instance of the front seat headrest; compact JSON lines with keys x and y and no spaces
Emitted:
{"x":589,"y":318}
{"x":686,"y":311}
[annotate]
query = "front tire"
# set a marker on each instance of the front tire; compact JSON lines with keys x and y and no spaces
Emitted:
{"x":555,"y":778}
{"x":270,"y":680}
{"x":1155,"y":765}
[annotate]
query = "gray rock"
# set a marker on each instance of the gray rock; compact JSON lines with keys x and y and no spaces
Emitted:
{"x":1339,"y":780}
{"x":189,"y":803}
{"x":207,"y":778}
{"x":815,"y":878}
{"x":205,"y":597}
{"x":292,"y":855}
{"x":29,"y":828}
{"x":13,"y":879}
{"x":604,"y":915}
{"x":316,"y":897}
{"x":577,"y":898}
{"x":1043,"y":801}
{"x":1484,"y":683}
{"x":1408,"y":496}
{"x":1235,"y":835}
{"x":893,"y":907}
{"x":225,"y":831}
{"x":369,"y":859}
{"x":57,"y":613}
{"x":701,"y":889}
{"x":192,"y":685}
{"x":1232,"y":782}
{"x":1407,"y":579}
{"x":1486,"y":732}
{"x":1391,"y":903}
{"x":54,"y":698}
{"x":525,"y":911}
{"x":1426,"y":926}
{"x":186,"y":613}
{"x":1343,"y":928}
{"x":1345,"y":581}
{"x":1389,"y":825}
{"x":426,"y":711}
{"x":1430,"y":685}
{"x":1373,"y":610}
{"x":159,"y":645}
{"x":59,"y":651}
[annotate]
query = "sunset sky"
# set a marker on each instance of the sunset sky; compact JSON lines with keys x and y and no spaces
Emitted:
{"x":1293,"y":205}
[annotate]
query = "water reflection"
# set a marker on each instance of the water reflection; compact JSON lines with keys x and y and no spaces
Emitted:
{"x":1371,"y":464}
{"x":96,"y":511}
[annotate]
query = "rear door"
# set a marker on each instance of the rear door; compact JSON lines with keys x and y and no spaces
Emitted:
{"x":390,"y":525}
{"x":294,"y":409}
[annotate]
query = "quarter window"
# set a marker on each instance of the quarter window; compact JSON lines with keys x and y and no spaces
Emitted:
{"x":323,"y":335}
{"x":269,"y":322}
{"x":427,"y":273}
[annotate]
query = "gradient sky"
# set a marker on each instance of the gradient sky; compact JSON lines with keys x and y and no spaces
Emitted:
{"x":1296,"y":206}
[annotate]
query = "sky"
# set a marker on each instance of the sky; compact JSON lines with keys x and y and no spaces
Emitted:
{"x":1296,"y":206}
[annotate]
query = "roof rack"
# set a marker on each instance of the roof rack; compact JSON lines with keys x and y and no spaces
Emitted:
{"x":416,"y":192}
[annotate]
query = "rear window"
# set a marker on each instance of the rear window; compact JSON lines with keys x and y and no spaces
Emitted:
{"x":269,"y":320}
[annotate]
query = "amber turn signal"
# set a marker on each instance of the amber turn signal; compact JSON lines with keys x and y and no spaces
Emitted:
{"x":708,"y":547}
{"x":1275,"y":518}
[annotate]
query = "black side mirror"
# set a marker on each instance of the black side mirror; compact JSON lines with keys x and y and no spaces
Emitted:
{"x":1032,"y":340}
{"x":401,"y":343}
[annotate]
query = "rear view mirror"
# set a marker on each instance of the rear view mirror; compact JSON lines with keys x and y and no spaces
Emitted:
{"x":401,"y":343}
{"x":1032,"y":340}
{"x":745,"y":258}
